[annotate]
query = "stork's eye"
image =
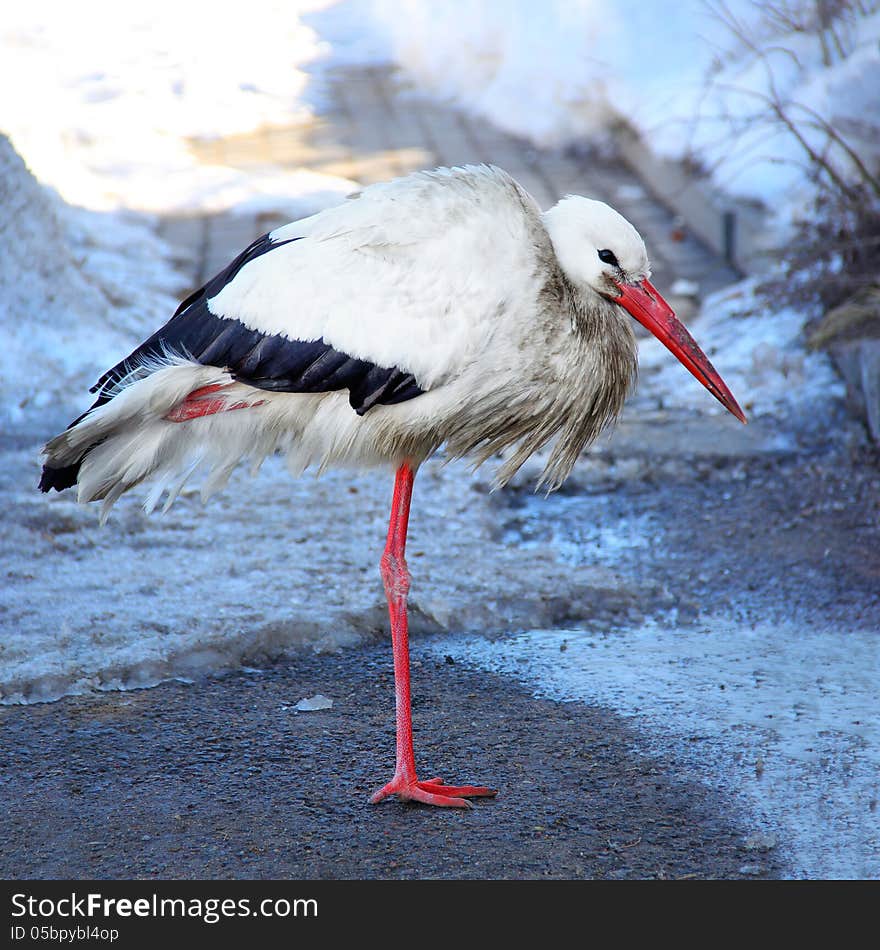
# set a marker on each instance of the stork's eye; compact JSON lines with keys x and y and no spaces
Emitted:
{"x":607,"y":257}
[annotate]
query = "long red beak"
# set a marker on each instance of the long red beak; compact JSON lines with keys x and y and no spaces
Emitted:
{"x":655,"y":314}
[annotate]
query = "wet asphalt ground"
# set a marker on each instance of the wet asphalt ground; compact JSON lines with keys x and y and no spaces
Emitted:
{"x":226,"y":780}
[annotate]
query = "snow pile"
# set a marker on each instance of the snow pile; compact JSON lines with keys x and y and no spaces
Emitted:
{"x":554,"y":72}
{"x":821,"y":80}
{"x":760,"y":356}
{"x":108,"y":112}
{"x":537,"y":70}
{"x":562,"y":71}
{"x":77,"y":290}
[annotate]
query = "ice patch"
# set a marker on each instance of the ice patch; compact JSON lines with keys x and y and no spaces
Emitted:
{"x":578,"y":542}
{"x":199,"y":590}
{"x":781,"y":717}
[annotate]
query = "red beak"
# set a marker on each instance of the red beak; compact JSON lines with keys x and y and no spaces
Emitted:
{"x":654,"y":313}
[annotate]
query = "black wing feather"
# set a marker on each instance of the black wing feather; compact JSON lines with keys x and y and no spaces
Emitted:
{"x":266,"y":361}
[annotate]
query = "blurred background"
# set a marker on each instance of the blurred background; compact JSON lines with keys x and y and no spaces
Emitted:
{"x":143,"y":146}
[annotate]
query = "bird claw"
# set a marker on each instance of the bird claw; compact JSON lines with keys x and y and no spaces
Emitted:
{"x":432,"y":792}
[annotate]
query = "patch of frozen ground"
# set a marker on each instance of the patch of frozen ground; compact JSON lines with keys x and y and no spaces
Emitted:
{"x":576,"y":543}
{"x":784,"y":715}
{"x":271,"y":565}
{"x":200,"y":589}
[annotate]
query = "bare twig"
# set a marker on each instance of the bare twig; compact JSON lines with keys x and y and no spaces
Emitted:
{"x":833,"y":253}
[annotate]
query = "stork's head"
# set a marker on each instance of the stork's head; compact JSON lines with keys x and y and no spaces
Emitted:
{"x":603,"y":254}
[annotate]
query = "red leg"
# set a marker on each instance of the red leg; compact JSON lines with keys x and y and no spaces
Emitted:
{"x":396,"y":578}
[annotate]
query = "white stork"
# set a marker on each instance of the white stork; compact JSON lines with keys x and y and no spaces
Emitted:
{"x":443,"y":308}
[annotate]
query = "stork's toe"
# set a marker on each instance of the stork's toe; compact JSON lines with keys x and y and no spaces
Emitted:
{"x":432,"y":792}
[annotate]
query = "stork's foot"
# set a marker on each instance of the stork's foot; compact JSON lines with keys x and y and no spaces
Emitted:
{"x":432,"y":792}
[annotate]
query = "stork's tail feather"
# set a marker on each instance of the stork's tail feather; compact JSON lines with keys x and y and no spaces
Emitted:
{"x":59,"y":478}
{"x":134,"y":435}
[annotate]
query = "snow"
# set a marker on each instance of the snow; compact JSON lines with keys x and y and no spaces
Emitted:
{"x":755,"y":156}
{"x":204,"y":589}
{"x":76,"y":289}
{"x":537,"y":72}
{"x":555,"y":73}
{"x":126,"y":98}
{"x":780,"y":716}
{"x":761,"y":357}
{"x":565,"y":70}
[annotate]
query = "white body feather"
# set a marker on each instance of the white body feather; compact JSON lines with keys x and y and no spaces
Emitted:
{"x":412,"y":273}
{"x":449,"y":275}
